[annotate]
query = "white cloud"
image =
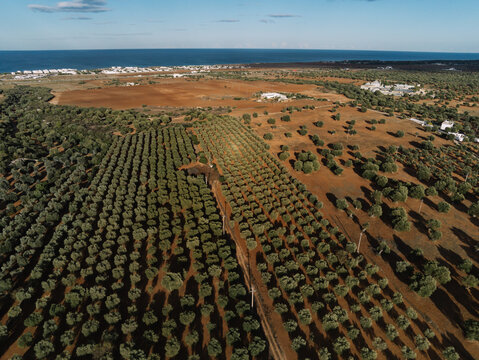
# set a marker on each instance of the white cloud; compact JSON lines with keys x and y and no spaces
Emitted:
{"x":79,"y":6}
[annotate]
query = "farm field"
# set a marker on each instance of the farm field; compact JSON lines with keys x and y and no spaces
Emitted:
{"x":190,"y":219}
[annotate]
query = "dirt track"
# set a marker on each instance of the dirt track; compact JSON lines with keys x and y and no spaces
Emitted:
{"x":276,"y":350}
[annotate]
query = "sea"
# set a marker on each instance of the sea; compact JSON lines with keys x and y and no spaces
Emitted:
{"x":11,"y":61}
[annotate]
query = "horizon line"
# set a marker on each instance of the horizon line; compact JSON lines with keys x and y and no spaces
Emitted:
{"x":252,"y":48}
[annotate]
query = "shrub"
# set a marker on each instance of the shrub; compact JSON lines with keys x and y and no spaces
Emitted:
{"x":399,"y":133}
{"x":25,"y":340}
{"x":172,"y":281}
{"x":429,"y":333}
{"x":172,"y":347}
{"x":450,"y":353}
{"x":470,"y":281}
{"x":341,"y":344}
{"x":443,"y":207}
{"x":353,"y":332}
{"x":422,"y":343}
{"x":474,"y":210}
{"x":403,"y":322}
{"x":431,"y":191}
{"x":408,"y":353}
{"x":214,"y":347}
{"x":297,"y":343}
{"x":290,"y":325}
{"x":43,"y":348}
{"x":391,"y":332}
{"x":471,"y":329}
{"x":440,"y":273}
{"x":380,"y":344}
{"x":368,"y":354}
{"x":268,"y":136}
{"x":342,"y":204}
{"x":365,"y":322}
{"x":257,"y":346}
{"x":324,"y":354}
{"x":305,"y":316}
{"x":417,"y":192}
{"x":423,"y":285}
{"x":375,"y":211}
{"x":411,"y":313}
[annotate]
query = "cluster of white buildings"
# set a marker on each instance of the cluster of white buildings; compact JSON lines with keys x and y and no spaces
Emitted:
{"x":445,"y":125}
{"x":133,"y":70}
{"x":395,"y":90}
{"x":273,"y":96}
{"x":193,"y":69}
{"x":37,"y":74}
{"x":115,"y":70}
{"x":457,"y":136}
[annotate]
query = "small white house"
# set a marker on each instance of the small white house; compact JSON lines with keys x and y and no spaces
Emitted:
{"x":274,"y":96}
{"x":417,"y":121}
{"x":457,"y":136}
{"x":447,"y":124}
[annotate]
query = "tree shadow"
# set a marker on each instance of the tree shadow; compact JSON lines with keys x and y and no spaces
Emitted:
{"x":449,"y":309}
{"x":460,"y":349}
{"x":419,"y":221}
{"x":332,"y":198}
{"x":468,"y":241}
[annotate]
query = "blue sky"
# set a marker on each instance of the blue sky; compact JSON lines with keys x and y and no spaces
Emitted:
{"x":414,"y":25}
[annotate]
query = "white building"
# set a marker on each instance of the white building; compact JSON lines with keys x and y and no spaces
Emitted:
{"x":395,"y":90}
{"x":274,"y":96}
{"x":457,"y":136}
{"x":417,"y":121}
{"x":447,"y":124}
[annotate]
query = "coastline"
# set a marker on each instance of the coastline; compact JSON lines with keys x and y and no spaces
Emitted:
{"x":13,"y":61}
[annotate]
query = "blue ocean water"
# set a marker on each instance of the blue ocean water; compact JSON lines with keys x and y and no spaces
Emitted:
{"x":95,"y":59}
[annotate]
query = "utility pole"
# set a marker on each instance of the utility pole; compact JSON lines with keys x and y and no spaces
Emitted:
{"x":359,"y":243}
{"x":252,"y":291}
{"x":365,"y":226}
{"x":223,"y":224}
{"x":420,"y":205}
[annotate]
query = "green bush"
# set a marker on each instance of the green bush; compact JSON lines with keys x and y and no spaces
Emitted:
{"x":341,"y":344}
{"x":443,"y":207}
{"x":342,"y":204}
{"x":471,"y":329}
{"x":450,"y":353}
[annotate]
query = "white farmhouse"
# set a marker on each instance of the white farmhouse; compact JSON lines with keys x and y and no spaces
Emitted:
{"x":457,"y":136}
{"x":274,"y":96}
{"x":447,"y":125}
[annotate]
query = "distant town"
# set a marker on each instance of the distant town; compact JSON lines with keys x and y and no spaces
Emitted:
{"x":117,"y":70}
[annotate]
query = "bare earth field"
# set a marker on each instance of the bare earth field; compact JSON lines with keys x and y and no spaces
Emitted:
{"x":178,"y":92}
